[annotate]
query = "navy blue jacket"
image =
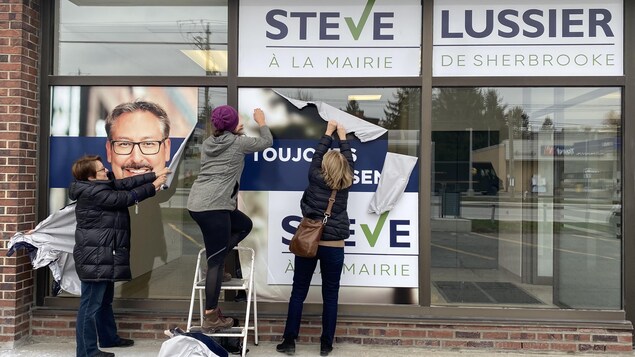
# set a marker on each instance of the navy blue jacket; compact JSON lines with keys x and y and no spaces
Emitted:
{"x":316,"y":196}
{"x":102,"y":236}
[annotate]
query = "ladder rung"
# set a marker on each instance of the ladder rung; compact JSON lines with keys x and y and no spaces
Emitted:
{"x":246,"y":284}
{"x":230,"y":332}
{"x":234,"y":284}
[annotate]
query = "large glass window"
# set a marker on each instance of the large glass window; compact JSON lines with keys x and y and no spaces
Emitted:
{"x":526,"y":202}
{"x":381,"y":264}
{"x":382,"y":253}
{"x":137,"y":38}
{"x":163,"y":243}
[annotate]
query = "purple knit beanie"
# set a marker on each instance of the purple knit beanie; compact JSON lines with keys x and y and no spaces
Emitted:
{"x":225,"y":118}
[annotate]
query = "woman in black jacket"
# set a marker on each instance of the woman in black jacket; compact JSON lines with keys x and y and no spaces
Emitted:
{"x":330,"y":170}
{"x":102,"y":246}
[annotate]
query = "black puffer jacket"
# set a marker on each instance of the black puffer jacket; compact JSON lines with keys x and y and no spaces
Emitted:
{"x":102,"y":236}
{"x":316,"y":196}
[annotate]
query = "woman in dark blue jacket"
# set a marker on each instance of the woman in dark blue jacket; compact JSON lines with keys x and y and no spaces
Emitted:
{"x":330,"y":170}
{"x":102,"y":246}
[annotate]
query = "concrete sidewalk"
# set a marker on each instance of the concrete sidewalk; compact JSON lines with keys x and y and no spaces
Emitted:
{"x":65,"y":347}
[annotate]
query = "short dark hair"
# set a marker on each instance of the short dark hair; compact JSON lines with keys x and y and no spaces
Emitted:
{"x":84,"y":167}
{"x":136,"y":106}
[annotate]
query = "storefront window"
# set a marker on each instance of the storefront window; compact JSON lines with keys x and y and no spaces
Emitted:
{"x":137,"y":38}
{"x":164,"y":240}
{"x":382,"y":258}
{"x":526,"y":201}
{"x":381,"y":264}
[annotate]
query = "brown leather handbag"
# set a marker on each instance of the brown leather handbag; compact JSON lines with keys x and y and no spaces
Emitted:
{"x":306,"y":238}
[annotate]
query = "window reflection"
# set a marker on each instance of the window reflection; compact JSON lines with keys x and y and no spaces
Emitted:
{"x":187,"y":39}
{"x":396,"y":109}
{"x":271,"y":188}
{"x":163,"y":250}
{"x":526,"y":206}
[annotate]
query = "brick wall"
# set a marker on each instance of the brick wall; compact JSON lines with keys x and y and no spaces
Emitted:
{"x":19,"y":66}
{"x":490,"y":337}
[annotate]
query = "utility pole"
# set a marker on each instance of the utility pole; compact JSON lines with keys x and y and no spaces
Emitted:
{"x":208,"y":73}
{"x":511,"y":180}
{"x":470,"y":188}
{"x":198,"y":32}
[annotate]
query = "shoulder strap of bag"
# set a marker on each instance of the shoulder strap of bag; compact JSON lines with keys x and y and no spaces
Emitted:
{"x":327,"y":214}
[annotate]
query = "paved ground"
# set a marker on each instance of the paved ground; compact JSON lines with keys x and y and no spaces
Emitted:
{"x":64,"y":347}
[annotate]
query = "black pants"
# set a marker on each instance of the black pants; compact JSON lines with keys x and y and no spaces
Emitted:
{"x":222,"y":231}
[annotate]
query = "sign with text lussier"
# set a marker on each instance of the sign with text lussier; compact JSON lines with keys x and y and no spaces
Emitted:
{"x":528,"y":38}
{"x":308,"y":38}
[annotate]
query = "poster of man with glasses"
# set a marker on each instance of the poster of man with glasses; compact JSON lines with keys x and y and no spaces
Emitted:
{"x":136,"y":130}
{"x":142,"y":125}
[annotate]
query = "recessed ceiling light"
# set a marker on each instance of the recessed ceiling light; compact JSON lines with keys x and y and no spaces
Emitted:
{"x":359,"y":97}
{"x":209,"y":60}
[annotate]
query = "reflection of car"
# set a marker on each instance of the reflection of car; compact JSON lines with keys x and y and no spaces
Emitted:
{"x":453,"y":177}
{"x":485,"y":179}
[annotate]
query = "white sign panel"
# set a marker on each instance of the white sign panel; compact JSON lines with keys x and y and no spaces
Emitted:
{"x":353,"y":38}
{"x":528,"y":38}
{"x":382,"y":250}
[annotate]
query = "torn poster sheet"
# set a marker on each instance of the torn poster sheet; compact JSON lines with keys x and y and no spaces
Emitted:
{"x":392,"y":182}
{"x":362,"y":129}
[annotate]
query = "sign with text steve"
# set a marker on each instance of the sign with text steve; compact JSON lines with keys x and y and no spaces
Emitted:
{"x":528,"y":38}
{"x":381,"y":251}
{"x":354,"y":38}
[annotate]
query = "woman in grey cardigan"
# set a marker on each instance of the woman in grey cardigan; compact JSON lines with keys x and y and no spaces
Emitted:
{"x":212,"y":201}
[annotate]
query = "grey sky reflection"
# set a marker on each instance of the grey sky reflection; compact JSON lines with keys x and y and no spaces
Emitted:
{"x":136,"y":40}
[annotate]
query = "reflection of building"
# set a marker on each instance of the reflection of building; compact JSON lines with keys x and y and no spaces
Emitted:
{"x":564,"y":178}
{"x":588,"y":162}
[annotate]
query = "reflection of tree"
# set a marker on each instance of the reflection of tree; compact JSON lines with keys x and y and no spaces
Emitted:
{"x":353,"y":108}
{"x":612,"y":119}
{"x":493,"y":111}
{"x":461,"y":108}
{"x":464,"y":120}
{"x":301,"y":95}
{"x":398,"y":112}
{"x":547,"y":124}
{"x":518,"y":122}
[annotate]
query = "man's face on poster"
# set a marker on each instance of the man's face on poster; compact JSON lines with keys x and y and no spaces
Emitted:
{"x":132,"y":149}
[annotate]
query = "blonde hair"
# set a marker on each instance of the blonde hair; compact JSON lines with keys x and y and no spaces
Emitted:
{"x":336,"y":171}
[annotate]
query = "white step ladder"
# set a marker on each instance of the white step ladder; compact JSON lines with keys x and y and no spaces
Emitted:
{"x":246,"y":284}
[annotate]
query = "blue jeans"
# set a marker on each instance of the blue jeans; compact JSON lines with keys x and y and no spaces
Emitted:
{"x":95,"y":318}
{"x":331,"y":263}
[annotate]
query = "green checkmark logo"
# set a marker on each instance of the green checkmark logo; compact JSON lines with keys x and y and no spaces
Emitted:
{"x":372,"y":236}
{"x":356,"y":29}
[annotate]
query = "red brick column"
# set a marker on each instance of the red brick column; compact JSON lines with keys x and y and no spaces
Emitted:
{"x":19,"y":102}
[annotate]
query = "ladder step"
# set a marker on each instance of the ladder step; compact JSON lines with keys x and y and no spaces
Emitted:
{"x":245,"y":284}
{"x":234,"y":284}
{"x":237,"y":331}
